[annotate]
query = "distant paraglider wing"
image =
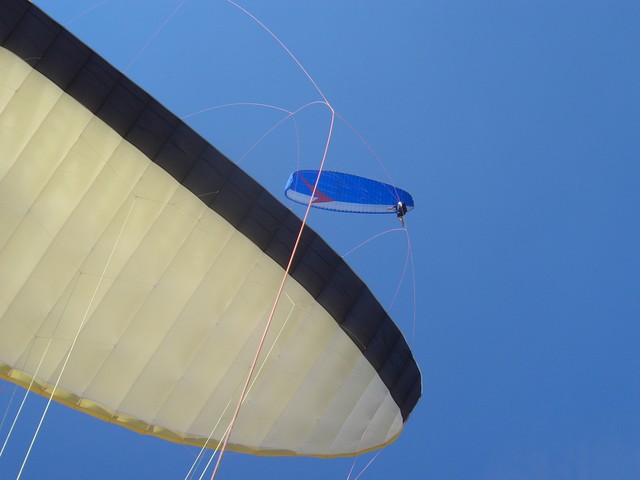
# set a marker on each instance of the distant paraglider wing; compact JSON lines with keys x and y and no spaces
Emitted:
{"x":344,"y":192}
{"x":134,"y":249}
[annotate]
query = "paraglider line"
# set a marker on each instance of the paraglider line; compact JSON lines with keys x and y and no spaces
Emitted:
{"x":368,"y":464}
{"x":295,"y":246}
{"x":413,"y":281}
{"x":404,"y":272}
{"x":86,"y":12}
{"x":372,"y":238}
{"x":6,"y":410}
{"x":353,"y":464}
{"x":24,"y":398}
{"x":202,"y":450}
{"x":277,"y":124}
{"x":289,"y":114}
{"x":34,"y":376}
{"x":235,"y":104}
{"x":75,"y":339}
{"x":277,"y":298}
{"x":372,"y":151}
{"x":408,"y":260}
{"x":201,"y":453}
{"x":284,"y":47}
{"x":154,"y":35}
{"x":4,"y":418}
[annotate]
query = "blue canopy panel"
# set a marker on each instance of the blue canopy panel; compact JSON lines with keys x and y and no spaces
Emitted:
{"x":344,"y":192}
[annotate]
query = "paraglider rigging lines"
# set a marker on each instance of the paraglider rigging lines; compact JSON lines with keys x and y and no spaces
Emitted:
{"x":284,"y":279}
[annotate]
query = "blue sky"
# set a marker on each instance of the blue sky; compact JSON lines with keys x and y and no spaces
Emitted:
{"x":515,"y":125}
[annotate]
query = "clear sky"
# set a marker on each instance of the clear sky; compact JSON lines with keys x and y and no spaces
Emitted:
{"x":515,"y":125}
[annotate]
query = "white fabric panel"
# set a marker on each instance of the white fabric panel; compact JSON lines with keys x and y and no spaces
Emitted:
{"x":172,"y":300}
{"x":340,"y":206}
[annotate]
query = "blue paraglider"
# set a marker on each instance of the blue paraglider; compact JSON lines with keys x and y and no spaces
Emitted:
{"x":343,"y":192}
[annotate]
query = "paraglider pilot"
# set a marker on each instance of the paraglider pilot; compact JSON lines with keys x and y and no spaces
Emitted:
{"x":401,"y":210}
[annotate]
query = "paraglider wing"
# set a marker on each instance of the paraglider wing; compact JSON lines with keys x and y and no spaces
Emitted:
{"x":138,"y":266}
{"x":344,"y":192}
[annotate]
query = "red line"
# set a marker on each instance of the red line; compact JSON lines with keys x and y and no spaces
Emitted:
{"x":275,"y":303}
